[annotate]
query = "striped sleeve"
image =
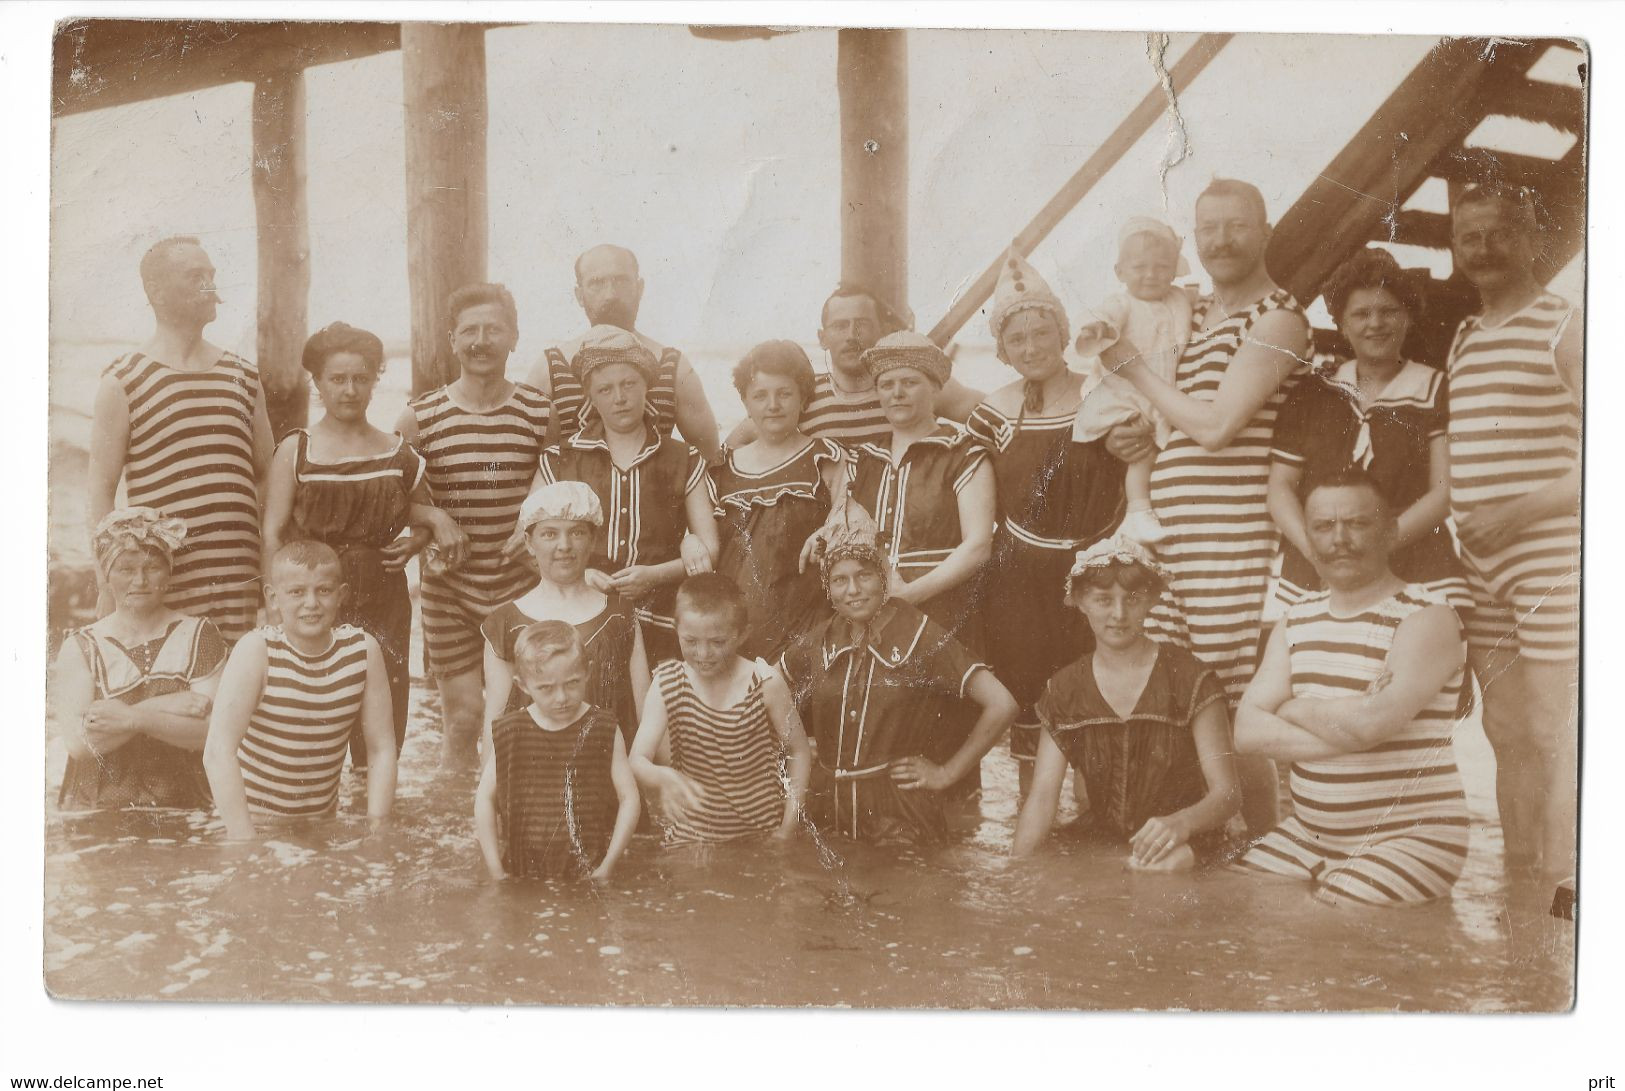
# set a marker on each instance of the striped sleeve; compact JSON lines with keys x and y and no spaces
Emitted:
{"x":697,"y":475}
{"x":970,"y":456}
{"x":548,"y":465}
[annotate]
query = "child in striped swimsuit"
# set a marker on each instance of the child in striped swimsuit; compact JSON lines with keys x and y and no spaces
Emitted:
{"x":739,"y":759}
{"x":289,"y":697}
{"x":556,"y":798}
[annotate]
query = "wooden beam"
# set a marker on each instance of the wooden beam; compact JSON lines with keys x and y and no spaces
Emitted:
{"x":113,"y":62}
{"x":1115,"y":146}
{"x":282,"y":224}
{"x":871,"y":78}
{"x":443,"y":72}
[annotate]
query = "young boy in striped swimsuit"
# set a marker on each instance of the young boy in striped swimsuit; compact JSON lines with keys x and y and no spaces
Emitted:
{"x":288,"y":699}
{"x":739,"y":758}
{"x":556,"y":798}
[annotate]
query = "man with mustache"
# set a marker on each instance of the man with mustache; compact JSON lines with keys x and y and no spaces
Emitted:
{"x":183,"y":422}
{"x":1359,"y":690}
{"x":610,"y":290}
{"x":1515,"y":404}
{"x":845,"y":406}
{"x":1210,"y":483}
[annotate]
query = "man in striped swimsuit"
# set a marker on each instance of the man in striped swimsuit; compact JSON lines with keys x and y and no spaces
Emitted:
{"x":1515,"y":404}
{"x":1358,"y":690}
{"x":845,"y":406}
{"x":610,"y":291}
{"x":481,"y":437}
{"x":183,"y":422}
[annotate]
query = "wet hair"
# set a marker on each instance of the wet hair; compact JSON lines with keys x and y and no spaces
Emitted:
{"x":476,"y":295}
{"x":306,"y":554}
{"x":1372,"y":268}
{"x":338,"y":337}
{"x":1125,"y":574}
{"x":1345,"y":477}
{"x":712,"y":593}
{"x":544,"y":641}
{"x":621,"y":250}
{"x":157,"y":257}
{"x":785,"y":359}
{"x":1232,"y":187}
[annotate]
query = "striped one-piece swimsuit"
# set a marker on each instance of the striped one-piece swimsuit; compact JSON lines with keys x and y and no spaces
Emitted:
{"x":732,"y":754}
{"x":1385,"y":825}
{"x":300,"y":730}
{"x":848,"y":419}
{"x":191,"y":455}
{"x":1514,"y":428}
{"x":1221,"y":540}
{"x":480,"y":468}
{"x":570,"y":398}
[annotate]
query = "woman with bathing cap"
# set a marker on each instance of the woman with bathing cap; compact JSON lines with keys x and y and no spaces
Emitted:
{"x":131,"y":693}
{"x":1143,"y":724}
{"x":773,"y":492}
{"x":930,"y":491}
{"x":874,"y":685}
{"x":660,"y":519}
{"x":1056,"y":495}
{"x":561,"y":523}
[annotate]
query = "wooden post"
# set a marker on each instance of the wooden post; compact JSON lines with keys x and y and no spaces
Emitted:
{"x":443,"y":69}
{"x":871,"y":77}
{"x":282,"y":224}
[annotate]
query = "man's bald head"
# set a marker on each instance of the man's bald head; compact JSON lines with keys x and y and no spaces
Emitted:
{"x":608,"y":286}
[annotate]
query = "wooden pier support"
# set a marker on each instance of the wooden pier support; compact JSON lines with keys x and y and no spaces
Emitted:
{"x":443,"y":74}
{"x":871,"y":77}
{"x":282,"y":224}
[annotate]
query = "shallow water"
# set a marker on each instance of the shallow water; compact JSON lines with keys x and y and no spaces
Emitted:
{"x":154,"y":905}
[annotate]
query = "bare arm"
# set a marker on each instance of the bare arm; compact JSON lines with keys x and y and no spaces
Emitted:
{"x":498,"y":688}
{"x":637,"y":668}
{"x":650,"y":751}
{"x":279,"y":488}
{"x":1211,"y":731}
{"x":1427,"y":650}
{"x":956,"y":401}
{"x":1274,"y":347}
{"x":781,"y":711}
{"x":109,"y":445}
{"x":999,"y":711}
{"x":179,"y":719}
{"x":1043,"y":797}
{"x":485,"y":818}
{"x":626,"y":818}
{"x":73,"y":689}
{"x":406,"y":426}
{"x":695,"y":421}
{"x":1258,"y":729}
{"x":240,"y":687}
{"x":976,"y":508}
{"x":1285,"y":507}
{"x":744,"y":432}
{"x":1433,"y":506}
{"x":263,"y":443}
{"x":702,"y":518}
{"x":378,"y":727}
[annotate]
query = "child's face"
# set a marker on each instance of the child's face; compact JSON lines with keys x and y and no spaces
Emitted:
{"x":561,"y":548}
{"x":617,"y":392}
{"x":709,"y":640}
{"x":1116,"y":614}
{"x":1146,"y":265}
{"x":556,"y":686}
{"x":309,"y":598}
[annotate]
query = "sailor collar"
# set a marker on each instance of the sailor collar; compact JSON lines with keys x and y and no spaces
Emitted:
{"x":1413,"y":384}
{"x":591,"y":438}
{"x":944,"y":435}
{"x":893,"y":642}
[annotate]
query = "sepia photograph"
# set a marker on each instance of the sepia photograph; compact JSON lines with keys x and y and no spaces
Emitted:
{"x":694,"y":514}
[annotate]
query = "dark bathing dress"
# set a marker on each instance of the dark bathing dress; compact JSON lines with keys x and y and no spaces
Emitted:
{"x":1321,"y":428}
{"x":555,"y":800}
{"x":866,"y":706}
{"x":144,"y":772}
{"x":1055,"y":498}
{"x":358,"y":505}
{"x":764,"y":519}
{"x":1145,"y":766}
{"x":607,"y":638}
{"x":916,"y":506}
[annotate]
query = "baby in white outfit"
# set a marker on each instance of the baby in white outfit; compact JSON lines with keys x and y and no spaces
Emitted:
{"x":1156,"y":317}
